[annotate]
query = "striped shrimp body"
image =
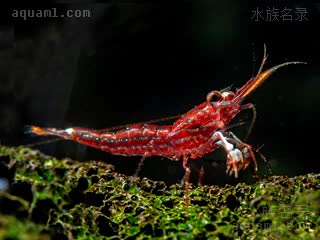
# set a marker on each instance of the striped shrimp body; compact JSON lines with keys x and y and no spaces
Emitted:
{"x":187,"y":137}
{"x":136,"y":140}
{"x":201,"y":130}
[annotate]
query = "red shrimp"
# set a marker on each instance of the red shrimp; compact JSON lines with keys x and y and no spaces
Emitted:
{"x":201,"y":130}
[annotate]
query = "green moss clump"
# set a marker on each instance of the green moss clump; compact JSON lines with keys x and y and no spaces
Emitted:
{"x":13,"y":228}
{"x":63,"y":198}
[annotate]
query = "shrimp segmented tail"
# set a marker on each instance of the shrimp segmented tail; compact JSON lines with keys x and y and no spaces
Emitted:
{"x":138,"y":140}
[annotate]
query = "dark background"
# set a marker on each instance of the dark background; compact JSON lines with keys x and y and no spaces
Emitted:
{"x":134,"y":61}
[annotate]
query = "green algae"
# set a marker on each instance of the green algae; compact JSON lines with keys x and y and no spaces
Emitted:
{"x":63,"y":198}
{"x":12,"y":228}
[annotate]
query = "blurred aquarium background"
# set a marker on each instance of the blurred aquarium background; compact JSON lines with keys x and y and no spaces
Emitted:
{"x":133,"y":61}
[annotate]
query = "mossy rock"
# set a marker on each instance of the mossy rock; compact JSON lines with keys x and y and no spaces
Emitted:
{"x":51,"y":198}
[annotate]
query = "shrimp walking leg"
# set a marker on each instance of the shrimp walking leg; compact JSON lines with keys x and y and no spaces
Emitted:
{"x":254,"y":117}
{"x":235,"y":159}
{"x":136,"y":174}
{"x":186,"y":181}
{"x":247,"y":151}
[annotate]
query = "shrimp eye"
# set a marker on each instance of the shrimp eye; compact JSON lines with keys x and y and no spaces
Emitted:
{"x":227,"y":96}
{"x":214,"y":96}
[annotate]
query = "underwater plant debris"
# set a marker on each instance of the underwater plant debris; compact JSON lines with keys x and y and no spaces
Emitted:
{"x":51,"y":198}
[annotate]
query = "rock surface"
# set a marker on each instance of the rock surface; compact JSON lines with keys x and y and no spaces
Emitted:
{"x":49,"y":198}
